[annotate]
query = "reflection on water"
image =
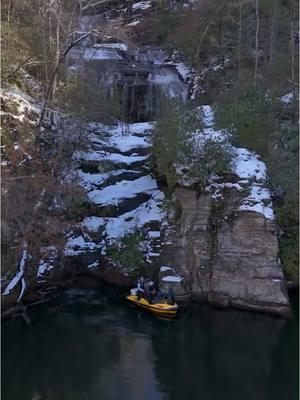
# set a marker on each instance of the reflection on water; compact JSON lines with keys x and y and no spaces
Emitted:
{"x":94,"y":349}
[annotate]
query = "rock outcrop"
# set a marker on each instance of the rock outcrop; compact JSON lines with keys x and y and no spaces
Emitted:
{"x":227,"y":256}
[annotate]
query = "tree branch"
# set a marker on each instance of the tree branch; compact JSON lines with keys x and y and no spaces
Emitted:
{"x":17,"y":68}
{"x":58,"y":64}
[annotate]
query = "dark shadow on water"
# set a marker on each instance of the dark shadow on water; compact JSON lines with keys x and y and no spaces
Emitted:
{"x":92,"y":347}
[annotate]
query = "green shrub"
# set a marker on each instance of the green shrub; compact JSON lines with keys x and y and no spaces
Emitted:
{"x":127,"y":253}
{"x":177,"y":142}
{"x":289,"y":254}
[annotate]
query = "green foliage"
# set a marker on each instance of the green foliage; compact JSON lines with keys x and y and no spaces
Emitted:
{"x":167,"y":22}
{"x":127,"y":253}
{"x":262,"y":124}
{"x":289,"y":254}
{"x":214,"y":160}
{"x":176,"y":144}
{"x":246,"y":113}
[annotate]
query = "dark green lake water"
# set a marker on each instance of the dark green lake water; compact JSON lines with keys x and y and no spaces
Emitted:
{"x":87,"y":347}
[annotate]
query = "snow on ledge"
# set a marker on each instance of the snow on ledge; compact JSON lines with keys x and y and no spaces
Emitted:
{"x":164,"y":269}
{"x":170,"y":278}
{"x":287,"y":98}
{"x":142,"y":5}
{"x":134,"y":23}
{"x":78,"y":245}
{"x":113,"y":194}
{"x":247,"y":165}
{"x":104,"y":53}
{"x":120,"y":46}
{"x":259,"y":200}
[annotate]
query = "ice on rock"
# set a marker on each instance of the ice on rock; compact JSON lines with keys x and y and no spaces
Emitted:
{"x":120,"y":46}
{"x":101,"y":54}
{"x":183,"y":70}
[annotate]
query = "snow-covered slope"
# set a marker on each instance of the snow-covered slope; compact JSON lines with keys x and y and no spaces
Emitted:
{"x":128,"y":199}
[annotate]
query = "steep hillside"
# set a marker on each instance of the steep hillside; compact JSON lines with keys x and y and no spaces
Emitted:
{"x":143,"y":144}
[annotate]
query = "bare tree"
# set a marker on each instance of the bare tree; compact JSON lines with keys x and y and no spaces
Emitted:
{"x":256,"y":40}
{"x":292,"y":40}
{"x":240,"y":39}
{"x":59,"y":62}
{"x":274,"y":27}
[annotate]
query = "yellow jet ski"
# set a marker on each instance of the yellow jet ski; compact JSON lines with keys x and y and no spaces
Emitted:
{"x":161,"y":308}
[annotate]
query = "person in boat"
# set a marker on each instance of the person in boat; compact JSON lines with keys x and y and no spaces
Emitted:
{"x":140,"y":287}
{"x":152,"y":292}
{"x":171,"y":296}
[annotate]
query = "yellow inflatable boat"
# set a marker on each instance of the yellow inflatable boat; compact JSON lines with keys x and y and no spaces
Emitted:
{"x":163,"y":309}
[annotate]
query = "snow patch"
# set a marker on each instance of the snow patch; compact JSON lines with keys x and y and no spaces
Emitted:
{"x":247,"y":165}
{"x":93,"y":224}
{"x":165,"y":269}
{"x":171,"y":278}
{"x":123,"y":190}
{"x":134,"y":23}
{"x":259,"y":200}
{"x":208,"y":115}
{"x":19,"y":274}
{"x":105,"y":156}
{"x":44,"y":267}
{"x":154,"y":234}
{"x":142,"y":5}
{"x":77,"y":245}
{"x":287,"y":98}
{"x":147,"y":212}
{"x":94,"y":264}
{"x":126,"y":143}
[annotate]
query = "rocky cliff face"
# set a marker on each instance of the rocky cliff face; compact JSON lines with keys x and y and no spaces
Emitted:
{"x":226,"y":256}
{"x":223,"y":240}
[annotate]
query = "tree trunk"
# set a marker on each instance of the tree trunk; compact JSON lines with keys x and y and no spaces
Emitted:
{"x":273,"y":35}
{"x":57,"y":59}
{"x":53,"y":77}
{"x":45,"y":50}
{"x":240,"y":40}
{"x":292,"y":33}
{"x":9,"y":10}
{"x":205,"y":32}
{"x":256,"y":40}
